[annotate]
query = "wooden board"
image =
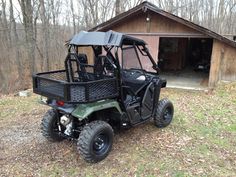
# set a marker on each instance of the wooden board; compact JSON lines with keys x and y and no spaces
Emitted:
{"x":215,"y":63}
{"x":157,"y":24}
{"x":228,"y":64}
{"x":223,"y":63}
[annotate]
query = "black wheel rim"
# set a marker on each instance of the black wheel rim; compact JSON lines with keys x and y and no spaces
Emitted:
{"x":167,"y":116}
{"x":101,"y":144}
{"x":55,"y":127}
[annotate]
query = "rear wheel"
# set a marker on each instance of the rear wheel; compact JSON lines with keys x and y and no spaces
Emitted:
{"x":95,"y":141}
{"x":164,"y":113}
{"x":49,"y":126}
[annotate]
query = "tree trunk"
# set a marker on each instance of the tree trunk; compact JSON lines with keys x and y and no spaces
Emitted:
{"x":27,"y":12}
{"x":117,"y":7}
{"x":45,"y":25}
{"x":7,"y":34}
{"x":73,"y":16}
{"x":16,"y":41}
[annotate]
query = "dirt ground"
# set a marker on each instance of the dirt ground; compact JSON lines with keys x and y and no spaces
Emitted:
{"x":199,"y":142}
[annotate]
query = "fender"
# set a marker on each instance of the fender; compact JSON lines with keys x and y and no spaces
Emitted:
{"x":82,"y":111}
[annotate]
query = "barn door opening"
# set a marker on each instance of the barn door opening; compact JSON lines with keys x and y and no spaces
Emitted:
{"x":185,"y":62}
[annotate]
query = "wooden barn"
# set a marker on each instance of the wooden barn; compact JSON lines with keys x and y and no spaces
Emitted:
{"x":185,"y":52}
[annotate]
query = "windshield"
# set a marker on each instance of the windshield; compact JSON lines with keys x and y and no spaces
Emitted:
{"x":130,"y":58}
{"x":135,"y":57}
{"x":145,"y":60}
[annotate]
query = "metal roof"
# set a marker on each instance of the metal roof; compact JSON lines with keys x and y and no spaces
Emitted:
{"x":109,"y":38}
{"x":147,"y":6}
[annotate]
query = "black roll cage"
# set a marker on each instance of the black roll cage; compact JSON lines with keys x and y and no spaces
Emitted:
{"x":116,"y":57}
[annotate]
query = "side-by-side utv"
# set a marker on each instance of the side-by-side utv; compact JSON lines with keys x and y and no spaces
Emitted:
{"x":110,"y":82}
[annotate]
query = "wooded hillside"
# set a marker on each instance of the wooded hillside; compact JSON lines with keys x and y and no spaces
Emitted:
{"x":33,"y":33}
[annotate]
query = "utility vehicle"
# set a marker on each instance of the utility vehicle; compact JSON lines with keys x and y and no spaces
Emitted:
{"x":110,"y":82}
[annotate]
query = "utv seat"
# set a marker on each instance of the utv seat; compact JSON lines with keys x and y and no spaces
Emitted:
{"x":83,"y":58}
{"x":99,"y":66}
{"x":83,"y":62}
{"x":80,"y":62}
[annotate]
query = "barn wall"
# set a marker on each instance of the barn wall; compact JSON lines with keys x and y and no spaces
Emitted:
{"x":134,"y":24}
{"x":228,"y":63}
{"x":163,"y":24}
{"x":215,"y":63}
{"x":223,"y":63}
{"x":157,"y":24}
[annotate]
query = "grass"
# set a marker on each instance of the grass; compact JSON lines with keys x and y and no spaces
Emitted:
{"x":199,"y":142}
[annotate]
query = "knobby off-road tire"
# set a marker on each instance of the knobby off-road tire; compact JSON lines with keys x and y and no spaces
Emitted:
{"x":164,"y":113}
{"x":95,"y":141}
{"x":49,"y":126}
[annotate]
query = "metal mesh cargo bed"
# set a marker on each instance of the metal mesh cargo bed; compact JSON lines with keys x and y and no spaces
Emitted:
{"x":54,"y":85}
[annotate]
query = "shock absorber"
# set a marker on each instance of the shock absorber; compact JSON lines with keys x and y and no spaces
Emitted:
{"x":67,"y":122}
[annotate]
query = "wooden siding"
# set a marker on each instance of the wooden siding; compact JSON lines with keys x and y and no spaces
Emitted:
{"x":228,"y":63}
{"x":215,"y":63}
{"x":223,"y":63}
{"x":134,"y":24}
{"x":157,"y":24}
{"x":162,"y":24}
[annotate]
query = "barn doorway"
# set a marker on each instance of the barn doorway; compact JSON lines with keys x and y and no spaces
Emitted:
{"x":185,"y":62}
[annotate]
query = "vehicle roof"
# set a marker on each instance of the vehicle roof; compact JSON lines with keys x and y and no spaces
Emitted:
{"x":109,"y":38}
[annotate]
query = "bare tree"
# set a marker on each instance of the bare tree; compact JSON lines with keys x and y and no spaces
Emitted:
{"x":45,"y":26}
{"x":73,"y":16}
{"x":16,"y":42}
{"x":27,"y":12}
{"x":118,"y":6}
{"x":4,"y":23}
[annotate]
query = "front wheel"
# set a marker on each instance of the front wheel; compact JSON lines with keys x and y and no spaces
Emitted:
{"x":95,"y":141}
{"x":164,"y":113}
